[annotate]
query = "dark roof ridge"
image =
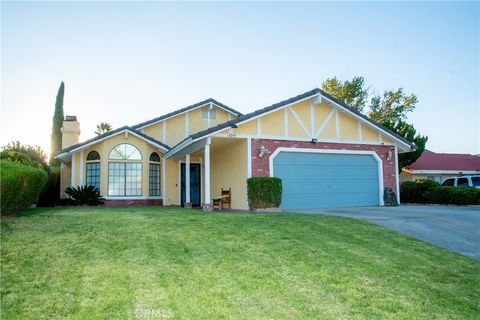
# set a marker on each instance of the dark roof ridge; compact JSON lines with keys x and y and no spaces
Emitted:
{"x":111,"y":133}
{"x":286,"y":102}
{"x":190,"y":107}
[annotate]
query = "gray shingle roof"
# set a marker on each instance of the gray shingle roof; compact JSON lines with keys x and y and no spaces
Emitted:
{"x":280,"y":104}
{"x":112,"y":133}
{"x":193,"y":106}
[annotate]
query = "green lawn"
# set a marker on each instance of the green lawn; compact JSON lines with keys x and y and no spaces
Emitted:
{"x":154,"y":263}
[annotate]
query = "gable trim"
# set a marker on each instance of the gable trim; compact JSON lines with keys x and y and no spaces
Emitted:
{"x":81,"y":146}
{"x":192,"y":107}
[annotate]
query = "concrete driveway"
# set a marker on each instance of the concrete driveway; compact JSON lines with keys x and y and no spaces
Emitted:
{"x":451,"y":227}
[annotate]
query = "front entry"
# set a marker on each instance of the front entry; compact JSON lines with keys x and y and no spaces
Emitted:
{"x":194,"y":184}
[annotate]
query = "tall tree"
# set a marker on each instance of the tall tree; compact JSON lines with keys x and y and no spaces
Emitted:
{"x":351,"y":92}
{"x":56,"y":138}
{"x":103,"y":127}
{"x":390,"y":110}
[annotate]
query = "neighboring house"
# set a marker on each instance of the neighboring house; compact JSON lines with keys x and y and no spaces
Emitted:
{"x":441,"y":166}
{"x":327,"y":154}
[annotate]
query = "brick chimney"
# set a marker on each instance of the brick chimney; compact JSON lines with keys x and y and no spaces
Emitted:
{"x":70,"y":131}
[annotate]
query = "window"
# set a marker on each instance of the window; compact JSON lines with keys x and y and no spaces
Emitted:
{"x":93,"y":169}
{"x":476,"y":181}
{"x":462,"y":182}
{"x":435,"y":178}
{"x":125,"y":152}
{"x":125,"y":175}
{"x":205,"y":112}
{"x":124,"y":179}
{"x":93,"y":155}
{"x":448,"y":182}
{"x":154,"y":174}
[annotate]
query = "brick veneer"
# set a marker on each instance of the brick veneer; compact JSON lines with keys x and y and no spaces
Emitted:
{"x":260,"y":166}
{"x":132,"y":202}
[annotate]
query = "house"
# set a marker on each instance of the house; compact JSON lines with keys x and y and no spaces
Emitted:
{"x":326,"y":153}
{"x":441,"y":166}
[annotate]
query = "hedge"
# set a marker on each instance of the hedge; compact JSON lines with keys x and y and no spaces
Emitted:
{"x":413,"y":191}
{"x":20,"y":186}
{"x":264,"y":192}
{"x":452,"y":195}
{"x":425,"y":191}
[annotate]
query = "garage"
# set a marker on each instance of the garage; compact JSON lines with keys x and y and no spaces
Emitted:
{"x":328,"y":178}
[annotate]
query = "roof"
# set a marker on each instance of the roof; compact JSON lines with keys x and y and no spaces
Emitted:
{"x":446,"y":161}
{"x":278,"y":105}
{"x":179,"y":111}
{"x":109,"y":134}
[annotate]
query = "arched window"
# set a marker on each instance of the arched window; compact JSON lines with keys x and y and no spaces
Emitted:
{"x":125,"y":171}
{"x":125,"y":151}
{"x":93,"y":169}
{"x":154,"y":174}
{"x":93,"y":155}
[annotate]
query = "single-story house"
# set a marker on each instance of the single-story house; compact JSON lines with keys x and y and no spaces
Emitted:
{"x":441,"y":166}
{"x":326,"y":153}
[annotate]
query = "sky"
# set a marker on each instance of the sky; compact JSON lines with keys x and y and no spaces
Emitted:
{"x":127,"y":62}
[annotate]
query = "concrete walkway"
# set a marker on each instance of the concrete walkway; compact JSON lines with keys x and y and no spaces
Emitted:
{"x":455,"y":228}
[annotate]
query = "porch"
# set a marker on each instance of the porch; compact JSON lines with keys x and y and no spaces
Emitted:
{"x":197,"y":173}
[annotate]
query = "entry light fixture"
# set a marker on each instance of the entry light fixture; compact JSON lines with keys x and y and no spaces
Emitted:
{"x":314,"y":140}
{"x":262,"y":151}
{"x":389,"y":155}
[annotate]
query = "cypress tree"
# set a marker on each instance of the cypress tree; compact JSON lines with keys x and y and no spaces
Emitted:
{"x":56,"y":140}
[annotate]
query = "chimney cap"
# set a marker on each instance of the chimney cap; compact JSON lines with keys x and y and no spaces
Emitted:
{"x":70,"y":118}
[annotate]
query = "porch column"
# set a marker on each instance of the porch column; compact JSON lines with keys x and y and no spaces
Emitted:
{"x":187,"y":204}
{"x":73,"y":182}
{"x":208,"y":201}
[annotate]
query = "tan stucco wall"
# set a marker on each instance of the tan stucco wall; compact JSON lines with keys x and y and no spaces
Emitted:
{"x":175,"y":126}
{"x":229,"y":170}
{"x":273,"y":125}
{"x":104,"y":148}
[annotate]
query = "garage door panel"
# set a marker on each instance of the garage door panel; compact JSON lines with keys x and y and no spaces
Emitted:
{"x":313,"y":180}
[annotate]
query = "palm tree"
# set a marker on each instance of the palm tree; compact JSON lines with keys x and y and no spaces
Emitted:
{"x":102,"y":128}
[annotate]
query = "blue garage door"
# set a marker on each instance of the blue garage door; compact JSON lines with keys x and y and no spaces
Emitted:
{"x":324,"y":180}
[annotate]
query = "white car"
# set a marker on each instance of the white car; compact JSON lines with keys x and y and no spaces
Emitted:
{"x":463,"y":181}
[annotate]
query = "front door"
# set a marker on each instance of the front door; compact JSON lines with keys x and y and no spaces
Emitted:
{"x":194,"y":184}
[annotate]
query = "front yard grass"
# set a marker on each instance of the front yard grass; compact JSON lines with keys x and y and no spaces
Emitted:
{"x":154,"y":263}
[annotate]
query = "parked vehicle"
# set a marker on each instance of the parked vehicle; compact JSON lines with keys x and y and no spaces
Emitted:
{"x":463,"y":181}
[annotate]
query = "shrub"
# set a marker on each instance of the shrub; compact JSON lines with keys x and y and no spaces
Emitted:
{"x":85,"y":195}
{"x":20,"y":186}
{"x":24,"y":154}
{"x":413,"y":191}
{"x":453,"y":195}
{"x":264,"y":192}
{"x":51,"y":193}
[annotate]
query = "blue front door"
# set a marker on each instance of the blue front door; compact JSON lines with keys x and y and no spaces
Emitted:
{"x":194,"y":184}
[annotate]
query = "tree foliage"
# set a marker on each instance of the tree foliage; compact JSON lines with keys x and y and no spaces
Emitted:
{"x":390,"y":110}
{"x":103,"y":127}
{"x":56,"y":138}
{"x":32,"y":156}
{"x":351,"y":92}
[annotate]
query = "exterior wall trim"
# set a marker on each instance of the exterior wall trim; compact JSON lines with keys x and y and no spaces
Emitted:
{"x":335,"y":151}
{"x":186,"y":111}
{"x":304,"y":139}
{"x":439,"y":171}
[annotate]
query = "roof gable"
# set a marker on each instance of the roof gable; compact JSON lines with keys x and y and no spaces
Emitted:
{"x":185,"y":109}
{"x":79,"y":146}
{"x":288,"y":102}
